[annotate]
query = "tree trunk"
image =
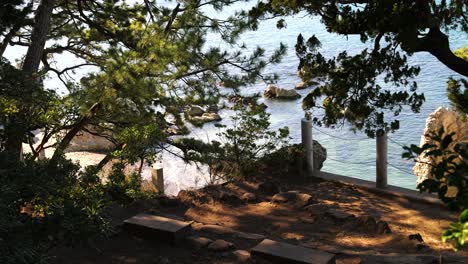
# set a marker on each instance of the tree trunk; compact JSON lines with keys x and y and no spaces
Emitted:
{"x":42,"y":24}
{"x":437,"y":43}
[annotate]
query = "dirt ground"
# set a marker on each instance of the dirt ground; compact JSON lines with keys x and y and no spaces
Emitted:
{"x":336,"y":221}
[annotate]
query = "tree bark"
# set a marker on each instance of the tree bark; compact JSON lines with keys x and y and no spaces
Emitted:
{"x":42,"y":24}
{"x":437,"y":43}
{"x":60,"y":148}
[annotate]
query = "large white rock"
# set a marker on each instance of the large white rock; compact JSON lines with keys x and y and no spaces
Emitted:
{"x":451,"y":121}
{"x":280,"y":93}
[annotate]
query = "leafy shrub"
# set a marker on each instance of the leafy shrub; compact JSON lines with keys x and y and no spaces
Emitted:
{"x":240,"y":148}
{"x":457,"y":232}
{"x":123,"y":188}
{"x":44,"y":205}
{"x":449,"y":169}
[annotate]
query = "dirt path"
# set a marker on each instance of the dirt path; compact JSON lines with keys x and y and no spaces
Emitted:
{"x":341,"y":219}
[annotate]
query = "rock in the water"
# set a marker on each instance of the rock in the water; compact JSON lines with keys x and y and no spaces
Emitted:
{"x":452,"y":122}
{"x":242,"y":255}
{"x":301,"y":85}
{"x":198,"y":242}
{"x":249,"y":197}
{"x":268,"y":188}
{"x":280,"y":93}
{"x":207,"y":117}
{"x":212,"y":109}
{"x":195,"y":110}
{"x":220,"y":245}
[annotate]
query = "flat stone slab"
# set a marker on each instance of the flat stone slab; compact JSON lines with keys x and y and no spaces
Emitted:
{"x":158,"y":227}
{"x":279,"y":252}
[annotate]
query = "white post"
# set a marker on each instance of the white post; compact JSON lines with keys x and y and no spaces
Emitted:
{"x":381,"y":161}
{"x":157,"y":177}
{"x":307,"y":144}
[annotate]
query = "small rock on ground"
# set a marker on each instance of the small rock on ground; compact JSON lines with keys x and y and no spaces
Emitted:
{"x":242,"y":255}
{"x":249,"y":197}
{"x":250,"y":236}
{"x":220,"y":245}
{"x":338,"y":214}
{"x":198,"y":242}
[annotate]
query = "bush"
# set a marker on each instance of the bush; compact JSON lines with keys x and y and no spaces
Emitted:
{"x":43,"y":206}
{"x":123,"y":188}
{"x":240,"y":148}
{"x":449,"y":170}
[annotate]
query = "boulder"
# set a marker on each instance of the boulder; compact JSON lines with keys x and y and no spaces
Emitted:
{"x":301,"y":85}
{"x":280,"y":93}
{"x":95,"y":141}
{"x":451,"y":121}
{"x":207,"y":117}
{"x":320,"y":155}
{"x":195,"y":110}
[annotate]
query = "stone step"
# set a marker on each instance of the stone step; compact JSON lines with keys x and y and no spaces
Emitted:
{"x":158,"y":227}
{"x":279,"y":252}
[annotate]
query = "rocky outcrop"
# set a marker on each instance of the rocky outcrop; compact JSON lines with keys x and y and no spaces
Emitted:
{"x":96,"y":141}
{"x":280,"y":93}
{"x":195,"y":110}
{"x":197,"y":114}
{"x":303,"y":85}
{"x":320,"y":155}
{"x":451,"y":121}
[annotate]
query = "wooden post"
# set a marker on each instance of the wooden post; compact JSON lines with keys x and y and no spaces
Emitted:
{"x":307,"y":144}
{"x":157,"y":177}
{"x":381,"y":161}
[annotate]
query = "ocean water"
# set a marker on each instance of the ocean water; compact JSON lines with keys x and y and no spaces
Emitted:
{"x":348,"y":153}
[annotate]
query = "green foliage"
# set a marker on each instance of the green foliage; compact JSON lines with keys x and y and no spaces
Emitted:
{"x":43,"y":206}
{"x":124,"y":188}
{"x":462,"y":53}
{"x":250,"y":138}
{"x":352,"y":92}
{"x":397,"y":29}
{"x":457,"y":232}
{"x":448,"y":168}
{"x":241,"y":146}
{"x":458,"y":98}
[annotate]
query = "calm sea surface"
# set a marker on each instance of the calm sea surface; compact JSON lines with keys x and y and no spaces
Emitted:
{"x":348,"y":153}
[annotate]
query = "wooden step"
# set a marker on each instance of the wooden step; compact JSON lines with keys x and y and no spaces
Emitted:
{"x":279,"y":252}
{"x":158,"y":227}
